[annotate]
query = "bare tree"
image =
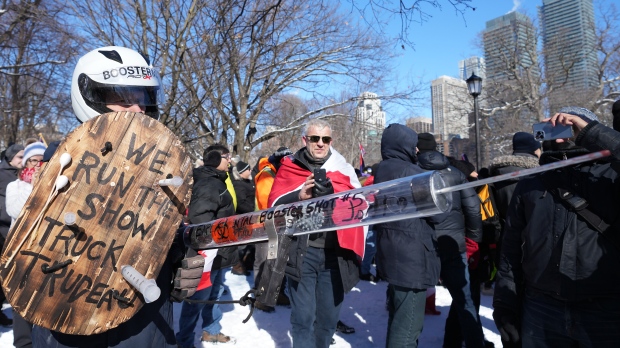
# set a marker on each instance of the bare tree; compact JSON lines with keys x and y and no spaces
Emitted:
{"x":223,"y":61}
{"x":377,"y":13}
{"x":36,"y":48}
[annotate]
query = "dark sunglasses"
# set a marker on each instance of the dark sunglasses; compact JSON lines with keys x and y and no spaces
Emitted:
{"x":316,"y":138}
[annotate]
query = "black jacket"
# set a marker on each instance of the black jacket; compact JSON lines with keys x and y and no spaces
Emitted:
{"x":210,"y":201}
{"x":550,"y":249}
{"x":464,"y":219}
{"x":502,"y":190}
{"x":8,"y":174}
{"x":246,"y":196}
{"x":347,"y":259}
{"x":406,"y":249}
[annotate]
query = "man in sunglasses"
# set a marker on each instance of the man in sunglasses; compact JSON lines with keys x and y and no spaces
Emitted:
{"x":321,"y":267}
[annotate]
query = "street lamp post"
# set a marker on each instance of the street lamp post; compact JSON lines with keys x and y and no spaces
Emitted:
{"x":474,"y":85}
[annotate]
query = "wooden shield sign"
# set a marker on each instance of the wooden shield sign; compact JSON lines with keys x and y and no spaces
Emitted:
{"x":67,"y":277}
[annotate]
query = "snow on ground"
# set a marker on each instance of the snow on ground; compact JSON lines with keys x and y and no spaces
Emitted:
{"x":363,"y":308}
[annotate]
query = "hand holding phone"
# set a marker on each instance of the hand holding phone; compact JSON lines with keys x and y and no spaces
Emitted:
{"x":546,"y":131}
{"x":322,"y":185}
{"x":320,"y":175}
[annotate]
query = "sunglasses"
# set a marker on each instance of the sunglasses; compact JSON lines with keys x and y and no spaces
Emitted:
{"x":316,"y":138}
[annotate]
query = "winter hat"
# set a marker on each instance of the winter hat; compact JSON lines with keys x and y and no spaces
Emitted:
{"x":426,"y":142}
{"x":36,"y":148}
{"x":49,"y":152}
{"x":213,"y":159}
{"x":584,"y":113}
{"x":242,"y":167}
{"x":12,"y":151}
{"x":615,"y":110}
{"x":524,"y":143}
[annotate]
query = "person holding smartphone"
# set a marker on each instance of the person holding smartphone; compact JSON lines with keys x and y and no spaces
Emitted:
{"x":558,"y":280}
{"x":321,"y":267}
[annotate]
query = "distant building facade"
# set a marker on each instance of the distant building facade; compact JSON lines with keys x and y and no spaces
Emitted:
{"x":450,"y":105}
{"x":569,"y":39}
{"x":510,"y":53}
{"x":420,"y":124}
{"x":472,"y":65}
{"x":370,"y":115}
{"x":370,"y":118}
{"x":506,"y":39}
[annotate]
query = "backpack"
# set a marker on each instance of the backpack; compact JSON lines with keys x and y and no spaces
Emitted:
{"x":491,"y":226}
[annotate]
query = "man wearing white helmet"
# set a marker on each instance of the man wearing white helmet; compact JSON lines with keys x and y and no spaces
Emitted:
{"x":120,"y":79}
{"x":114,"y":79}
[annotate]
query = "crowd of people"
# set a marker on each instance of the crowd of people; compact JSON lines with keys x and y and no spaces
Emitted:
{"x":549,"y":241}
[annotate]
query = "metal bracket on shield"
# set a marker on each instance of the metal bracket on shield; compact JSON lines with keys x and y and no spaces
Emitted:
{"x":107,"y":147}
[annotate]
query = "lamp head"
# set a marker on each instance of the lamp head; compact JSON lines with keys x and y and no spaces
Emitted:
{"x":474,"y":85}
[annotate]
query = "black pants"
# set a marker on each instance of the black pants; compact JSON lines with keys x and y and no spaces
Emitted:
{"x":22,"y":331}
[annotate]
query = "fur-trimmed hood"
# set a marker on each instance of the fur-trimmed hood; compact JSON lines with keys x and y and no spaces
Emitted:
{"x":524,"y":161}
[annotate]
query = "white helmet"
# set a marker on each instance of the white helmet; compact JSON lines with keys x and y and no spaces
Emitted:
{"x":114,"y":75}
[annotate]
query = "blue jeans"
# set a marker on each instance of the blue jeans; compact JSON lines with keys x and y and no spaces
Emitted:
{"x":369,"y":253}
{"x":548,"y":322}
{"x":211,"y":314}
{"x":406,"y":316}
{"x":316,"y":299}
{"x":463,"y":317}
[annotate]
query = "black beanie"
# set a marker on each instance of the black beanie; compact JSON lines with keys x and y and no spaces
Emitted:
{"x":615,"y":110}
{"x":426,"y":142}
{"x":12,"y":151}
{"x":524,"y":143}
{"x":242,"y":167}
{"x":213,"y":159}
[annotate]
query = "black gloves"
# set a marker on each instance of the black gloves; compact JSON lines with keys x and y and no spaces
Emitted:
{"x":322,"y":189}
{"x":187,"y":277}
{"x":277,"y":156}
{"x":507,"y":322}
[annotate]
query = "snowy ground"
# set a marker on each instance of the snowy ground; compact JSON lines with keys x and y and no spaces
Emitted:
{"x":364,"y":309}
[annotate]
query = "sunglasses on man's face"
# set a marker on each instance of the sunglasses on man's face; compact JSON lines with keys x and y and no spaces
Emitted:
{"x":316,"y":138}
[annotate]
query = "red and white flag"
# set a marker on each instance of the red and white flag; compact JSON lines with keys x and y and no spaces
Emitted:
{"x":205,"y":280}
{"x":291,"y":177}
{"x":362,"y":154}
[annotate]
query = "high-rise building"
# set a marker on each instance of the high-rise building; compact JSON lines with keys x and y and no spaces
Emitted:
{"x":569,"y":39}
{"x":370,"y":118}
{"x":450,"y":104}
{"x":510,"y":56}
{"x":508,"y":39}
{"x":370,"y":114}
{"x":472,"y":65}
{"x":420,"y":124}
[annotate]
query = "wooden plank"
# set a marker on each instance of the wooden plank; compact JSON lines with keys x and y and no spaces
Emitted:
{"x":123,"y":217}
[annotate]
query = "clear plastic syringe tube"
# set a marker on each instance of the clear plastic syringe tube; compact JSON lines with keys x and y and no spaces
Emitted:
{"x":147,"y":287}
{"x":410,"y":197}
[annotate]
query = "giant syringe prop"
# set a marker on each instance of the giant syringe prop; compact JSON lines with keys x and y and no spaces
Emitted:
{"x":411,"y":197}
{"x":399,"y":199}
{"x":415,"y":196}
{"x":526,"y":172}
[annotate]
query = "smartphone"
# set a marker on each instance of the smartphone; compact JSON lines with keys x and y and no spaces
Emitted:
{"x":320,"y":176}
{"x":546,"y":131}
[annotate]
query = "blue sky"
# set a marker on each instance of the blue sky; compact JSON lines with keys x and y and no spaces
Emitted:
{"x":445,"y":39}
